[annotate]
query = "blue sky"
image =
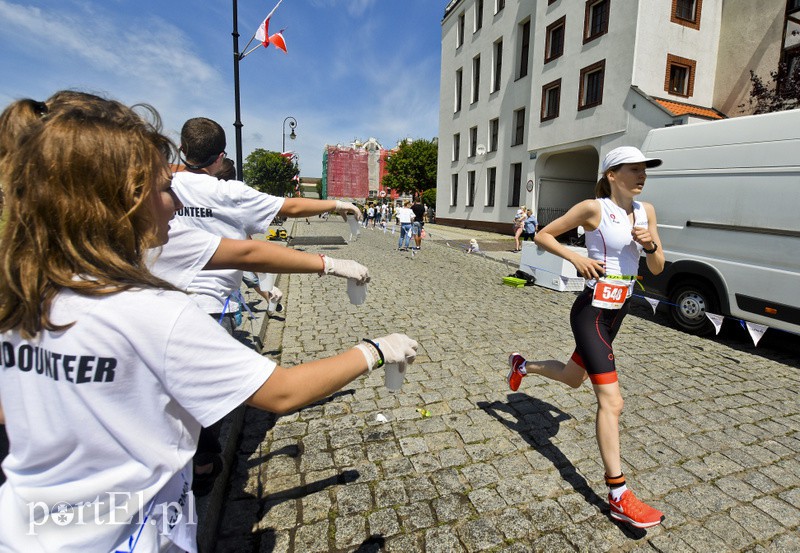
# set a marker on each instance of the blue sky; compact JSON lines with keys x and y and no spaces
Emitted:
{"x":355,"y":68}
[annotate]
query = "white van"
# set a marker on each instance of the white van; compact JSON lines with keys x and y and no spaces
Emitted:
{"x":727,"y":198}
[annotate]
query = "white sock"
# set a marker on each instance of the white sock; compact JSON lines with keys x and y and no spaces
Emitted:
{"x":616,"y":493}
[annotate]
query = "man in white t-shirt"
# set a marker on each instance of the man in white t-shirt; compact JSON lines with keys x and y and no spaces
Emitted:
{"x":230,"y":209}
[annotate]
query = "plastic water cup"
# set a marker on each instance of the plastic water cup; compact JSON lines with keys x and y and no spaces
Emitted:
{"x":394,"y":374}
{"x":355,"y":228}
{"x":357,"y":292}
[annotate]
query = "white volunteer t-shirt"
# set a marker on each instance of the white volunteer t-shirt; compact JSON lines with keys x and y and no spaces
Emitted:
{"x":113,"y":405}
{"x":230,"y":209}
{"x":183,"y":256}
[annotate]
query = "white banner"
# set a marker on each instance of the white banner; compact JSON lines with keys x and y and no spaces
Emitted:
{"x":716,"y":320}
{"x":756,"y":331}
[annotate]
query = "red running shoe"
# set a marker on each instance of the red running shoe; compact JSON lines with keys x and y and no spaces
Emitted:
{"x":633,"y":511}
{"x":517,"y":371}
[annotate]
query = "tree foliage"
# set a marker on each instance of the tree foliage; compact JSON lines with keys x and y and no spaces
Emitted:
{"x":429,"y":197}
{"x":412,"y":167}
{"x":780,"y":93}
{"x":270,"y":172}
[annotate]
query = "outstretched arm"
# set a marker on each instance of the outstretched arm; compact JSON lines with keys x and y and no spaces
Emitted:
{"x":263,"y":257}
{"x":289,"y":389}
{"x":305,"y":207}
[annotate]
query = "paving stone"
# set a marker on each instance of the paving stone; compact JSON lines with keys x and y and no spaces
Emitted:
{"x":354,"y":498}
{"x":450,"y":508}
{"x":480,"y":535}
{"x":384,"y":523}
{"x":390,"y":492}
{"x":416,"y":516}
{"x":312,"y":538}
{"x":442,"y":540}
{"x":781,"y":511}
{"x":350,"y":531}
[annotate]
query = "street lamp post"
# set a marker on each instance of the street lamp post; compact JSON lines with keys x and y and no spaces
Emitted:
{"x":292,"y":124}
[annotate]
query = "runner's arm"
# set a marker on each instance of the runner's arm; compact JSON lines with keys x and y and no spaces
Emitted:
{"x":585,"y":214}
{"x":648,"y":238}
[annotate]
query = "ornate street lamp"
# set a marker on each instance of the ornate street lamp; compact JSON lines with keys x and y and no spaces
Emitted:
{"x":292,"y":124}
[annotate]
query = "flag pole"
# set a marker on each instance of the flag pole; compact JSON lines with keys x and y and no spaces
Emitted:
{"x":238,"y":122}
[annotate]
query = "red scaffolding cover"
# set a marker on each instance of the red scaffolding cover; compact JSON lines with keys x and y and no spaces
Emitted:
{"x":348,"y":173}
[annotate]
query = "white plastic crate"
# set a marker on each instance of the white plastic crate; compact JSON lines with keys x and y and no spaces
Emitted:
{"x":551,"y":271}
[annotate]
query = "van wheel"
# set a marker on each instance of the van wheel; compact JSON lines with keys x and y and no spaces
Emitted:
{"x":691,"y":300}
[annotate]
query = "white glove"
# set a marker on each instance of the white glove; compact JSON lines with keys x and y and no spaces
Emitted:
{"x":346,"y":208}
{"x":345,"y":268}
{"x":397,"y":348}
{"x":275,"y":294}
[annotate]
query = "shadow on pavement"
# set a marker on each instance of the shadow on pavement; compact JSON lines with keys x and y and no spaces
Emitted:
{"x":538,"y":422}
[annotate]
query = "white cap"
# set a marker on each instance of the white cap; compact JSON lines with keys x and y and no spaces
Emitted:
{"x":626,"y":154}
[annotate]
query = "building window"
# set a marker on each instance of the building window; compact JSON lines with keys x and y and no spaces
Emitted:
{"x":494,"y":134}
{"x":456,"y":146}
{"x":454,"y":190}
{"x":473,"y":141}
{"x":491,"y":181}
{"x":476,"y":78}
{"x":478,"y":15}
{"x":793,"y":5}
{"x":686,"y":13}
{"x":519,"y":127}
{"x":789,"y":70}
{"x":591,"y":91}
{"x":516,"y":184}
{"x":471,"y":188}
{"x":554,"y":42}
{"x":459,"y":85}
{"x":596,"y":20}
{"x":551,"y":100}
{"x":524,"y":48}
{"x":460,"y":31}
{"x":679,"y":79}
{"x":499,"y":5}
{"x":498,"y":65}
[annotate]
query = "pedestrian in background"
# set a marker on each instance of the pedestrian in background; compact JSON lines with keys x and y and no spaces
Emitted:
{"x":418,"y":224}
{"x":404,"y":217}
{"x":519,"y":221}
{"x":618,"y":229}
{"x":529,"y":226}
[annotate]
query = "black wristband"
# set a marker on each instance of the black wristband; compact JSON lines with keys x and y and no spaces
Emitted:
{"x":654,"y":250}
{"x":380,"y":353}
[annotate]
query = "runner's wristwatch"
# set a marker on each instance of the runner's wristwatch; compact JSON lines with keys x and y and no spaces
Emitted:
{"x":654,"y":250}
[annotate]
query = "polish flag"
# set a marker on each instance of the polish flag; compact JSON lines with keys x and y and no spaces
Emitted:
{"x":262,"y":34}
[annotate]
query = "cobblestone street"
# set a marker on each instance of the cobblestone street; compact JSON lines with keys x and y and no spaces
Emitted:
{"x":710,"y":431}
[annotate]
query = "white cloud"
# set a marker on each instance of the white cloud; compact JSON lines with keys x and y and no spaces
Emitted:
{"x":140,"y":58}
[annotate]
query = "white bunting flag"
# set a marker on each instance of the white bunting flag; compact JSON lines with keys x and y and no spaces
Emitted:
{"x":756,"y":331}
{"x":653,"y":303}
{"x":716,"y":320}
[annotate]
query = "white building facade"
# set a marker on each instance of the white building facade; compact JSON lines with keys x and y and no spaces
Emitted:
{"x":535,"y":92}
